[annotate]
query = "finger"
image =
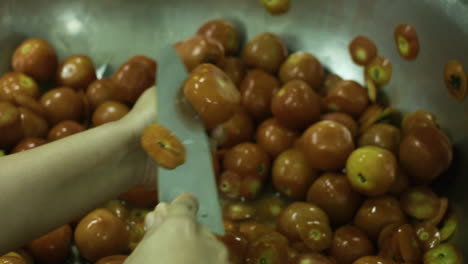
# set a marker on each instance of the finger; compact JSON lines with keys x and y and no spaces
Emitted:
{"x":185,"y":205}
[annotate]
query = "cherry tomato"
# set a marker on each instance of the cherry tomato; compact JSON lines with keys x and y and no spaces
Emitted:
{"x":28,"y":143}
{"x":237,"y":244}
{"x":296,"y":105}
{"x":213,"y":95}
{"x":109,"y":111}
{"x":234,"y":68}
{"x":76,"y":72}
{"x":199,"y":49}
{"x":64,"y":129}
{"x":36,"y":58}
{"x":224,"y":32}
{"x":10,"y":125}
{"x":425,"y":153}
{"x":343,"y":119}
{"x":239,"y":128}
{"x":100,"y":234}
{"x":292,"y":174}
{"x":247,"y":158}
{"x":265,"y":51}
{"x":349,"y":244}
{"x":305,"y":67}
{"x":347,"y":96}
{"x":52,"y":248}
{"x":33,"y":124}
{"x":376,"y":213}
{"x":100,"y":91}
{"x":62,"y":104}
{"x":327,"y":145}
{"x":275,"y":138}
{"x":17,"y":83}
{"x":132,"y":78}
{"x":297,"y":214}
{"x":334,"y":194}
{"x":257,"y":90}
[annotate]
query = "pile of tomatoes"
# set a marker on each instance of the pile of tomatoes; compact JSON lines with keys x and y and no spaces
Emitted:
{"x":311,"y":168}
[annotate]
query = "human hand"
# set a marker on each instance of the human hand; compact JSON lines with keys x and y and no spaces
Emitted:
{"x":175,"y":236}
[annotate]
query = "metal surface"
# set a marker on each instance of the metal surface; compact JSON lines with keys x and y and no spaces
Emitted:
{"x":110,"y":31}
{"x":196,"y":174}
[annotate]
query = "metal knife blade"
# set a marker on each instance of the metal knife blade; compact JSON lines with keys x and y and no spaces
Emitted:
{"x":196,"y":174}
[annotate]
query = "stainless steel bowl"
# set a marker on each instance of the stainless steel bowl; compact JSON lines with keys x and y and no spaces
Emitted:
{"x":112,"y":30}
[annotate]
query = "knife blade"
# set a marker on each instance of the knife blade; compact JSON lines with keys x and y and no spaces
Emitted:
{"x":196,"y":175}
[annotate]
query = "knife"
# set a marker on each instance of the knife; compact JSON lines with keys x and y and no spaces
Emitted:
{"x":196,"y":175}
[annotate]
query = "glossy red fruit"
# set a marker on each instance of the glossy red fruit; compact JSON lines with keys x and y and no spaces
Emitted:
{"x":53,"y":247}
{"x":296,"y":105}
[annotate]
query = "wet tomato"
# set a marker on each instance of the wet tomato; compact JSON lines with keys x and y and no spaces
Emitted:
{"x":100,"y":91}
{"x":292,"y":174}
{"x":381,"y":135}
{"x":334,"y":194}
{"x":420,"y":203}
{"x":425,"y":153}
{"x":274,"y":138}
{"x":17,"y":83}
{"x":237,"y":244}
{"x":36,"y":58}
{"x":305,"y":67}
{"x":213,"y":95}
{"x":344,"y":119}
{"x":100,"y":234}
{"x":239,"y":128}
{"x":296,"y":105}
{"x":224,"y":32}
{"x":10,"y":125}
{"x":265,"y":51}
{"x":297,"y":215}
{"x":132,"y":78}
{"x":199,"y":49}
{"x":247,"y":158}
{"x":347,"y":96}
{"x":109,"y":111}
{"x":349,"y":244}
{"x":53,"y":247}
{"x":327,"y":145}
{"x":376,"y":213}
{"x":371,"y":170}
{"x":64,"y":129}
{"x":33,"y":124}
{"x":28,"y":143}
{"x":234,"y":68}
{"x":62,"y":104}
{"x":76,"y":72}
{"x":257,"y":90}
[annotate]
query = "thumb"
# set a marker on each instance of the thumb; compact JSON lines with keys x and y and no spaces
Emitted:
{"x":185,"y":205}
